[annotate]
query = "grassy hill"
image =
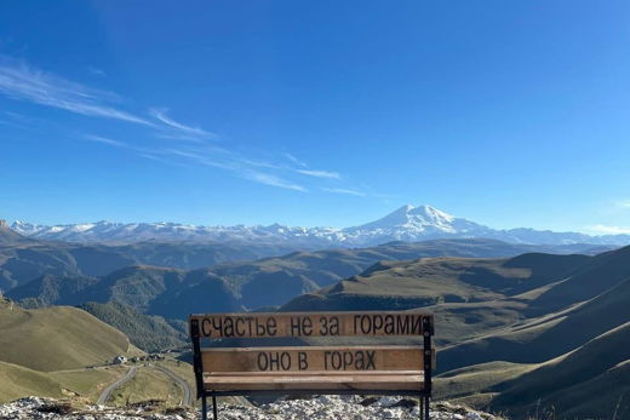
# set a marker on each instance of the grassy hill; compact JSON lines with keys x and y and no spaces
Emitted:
{"x":56,"y":338}
{"x":470,"y":296}
{"x":18,"y":381}
{"x":46,"y":352}
{"x":550,"y":335}
{"x":578,"y":379}
{"x":516,"y":334}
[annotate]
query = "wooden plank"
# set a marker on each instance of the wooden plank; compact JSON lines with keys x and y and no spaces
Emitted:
{"x":312,"y":358}
{"x":312,"y":324}
{"x":357,"y":373}
{"x":346,"y":381}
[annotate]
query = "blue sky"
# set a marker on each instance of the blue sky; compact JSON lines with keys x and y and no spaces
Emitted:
{"x":316,"y":113}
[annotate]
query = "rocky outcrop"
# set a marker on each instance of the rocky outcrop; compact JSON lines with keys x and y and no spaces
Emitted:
{"x":317,"y":408}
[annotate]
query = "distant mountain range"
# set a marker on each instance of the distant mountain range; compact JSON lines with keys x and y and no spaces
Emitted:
{"x":408,"y":223}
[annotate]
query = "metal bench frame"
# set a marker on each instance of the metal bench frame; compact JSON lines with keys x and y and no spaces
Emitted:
{"x":423,"y":394}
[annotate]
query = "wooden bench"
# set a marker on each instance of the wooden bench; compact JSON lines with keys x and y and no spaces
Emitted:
{"x":334,"y":368}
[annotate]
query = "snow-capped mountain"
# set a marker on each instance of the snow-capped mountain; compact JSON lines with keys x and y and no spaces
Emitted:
{"x":408,"y":223}
{"x":104,"y":231}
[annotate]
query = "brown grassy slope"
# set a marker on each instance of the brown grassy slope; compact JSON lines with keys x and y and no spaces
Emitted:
{"x":477,"y":379}
{"x":589,"y":380}
{"x":87,"y":383}
{"x":17,"y":381}
{"x":546,"y":337}
{"x":470,"y":297}
{"x":599,"y":274}
{"x":148,"y":384}
{"x":56,"y":338}
{"x":435,"y":280}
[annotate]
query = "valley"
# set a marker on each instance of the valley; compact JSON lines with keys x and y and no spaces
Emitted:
{"x":64,"y":352}
{"x":509,"y":315}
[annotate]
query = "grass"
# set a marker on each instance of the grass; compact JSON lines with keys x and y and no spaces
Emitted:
{"x":87,"y":383}
{"x":536,"y":332}
{"x":573,"y":383}
{"x":18,"y":381}
{"x":183,"y":369}
{"x":478,"y":380}
{"x":57,"y":338}
{"x":46,"y":352}
{"x":148,"y":384}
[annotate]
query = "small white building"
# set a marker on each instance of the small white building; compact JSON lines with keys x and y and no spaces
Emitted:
{"x":119,"y":360}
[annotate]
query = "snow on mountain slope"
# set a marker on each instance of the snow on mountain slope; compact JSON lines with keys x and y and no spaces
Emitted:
{"x":408,"y":223}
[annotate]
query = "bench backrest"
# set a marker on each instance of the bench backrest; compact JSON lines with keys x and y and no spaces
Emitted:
{"x":334,"y":358}
{"x":313,"y":324}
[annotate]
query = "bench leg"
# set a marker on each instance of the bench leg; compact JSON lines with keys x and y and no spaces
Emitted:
{"x":426,"y":407}
{"x":214,"y":407}
{"x":204,"y":408}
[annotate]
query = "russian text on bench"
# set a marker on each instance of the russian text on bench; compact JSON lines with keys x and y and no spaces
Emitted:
{"x":331,"y":369}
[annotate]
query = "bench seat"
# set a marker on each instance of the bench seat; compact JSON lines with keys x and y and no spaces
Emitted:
{"x":361,"y":381}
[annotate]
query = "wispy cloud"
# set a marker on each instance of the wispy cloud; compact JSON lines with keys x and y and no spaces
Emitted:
{"x":105,"y":140}
{"x":273,"y":180}
{"x":295,"y":160}
{"x":608,"y":229}
{"x":623,"y":204}
{"x":319,"y":174}
{"x":345,"y":191}
{"x":214,"y":157}
{"x":178,"y":129}
{"x":96,"y":71}
{"x":22,"y":82}
{"x":208,"y":156}
{"x":242,"y":167}
{"x":160,"y":159}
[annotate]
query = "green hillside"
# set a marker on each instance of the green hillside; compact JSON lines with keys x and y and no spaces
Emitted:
{"x":578,"y":379}
{"x":56,"y":338}
{"x":18,"y":381}
{"x":470,"y":297}
{"x":148,"y":332}
{"x":531,"y":331}
{"x":551,"y":335}
{"x":52,"y":289}
{"x":47,"y":352}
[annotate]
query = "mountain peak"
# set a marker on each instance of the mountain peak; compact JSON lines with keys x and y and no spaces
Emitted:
{"x":430,"y":212}
{"x":405,"y":209}
{"x":412,"y":219}
{"x":7,"y":235}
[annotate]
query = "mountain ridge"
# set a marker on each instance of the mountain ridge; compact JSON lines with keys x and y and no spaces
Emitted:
{"x":407,"y":223}
{"x":518,"y":335}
